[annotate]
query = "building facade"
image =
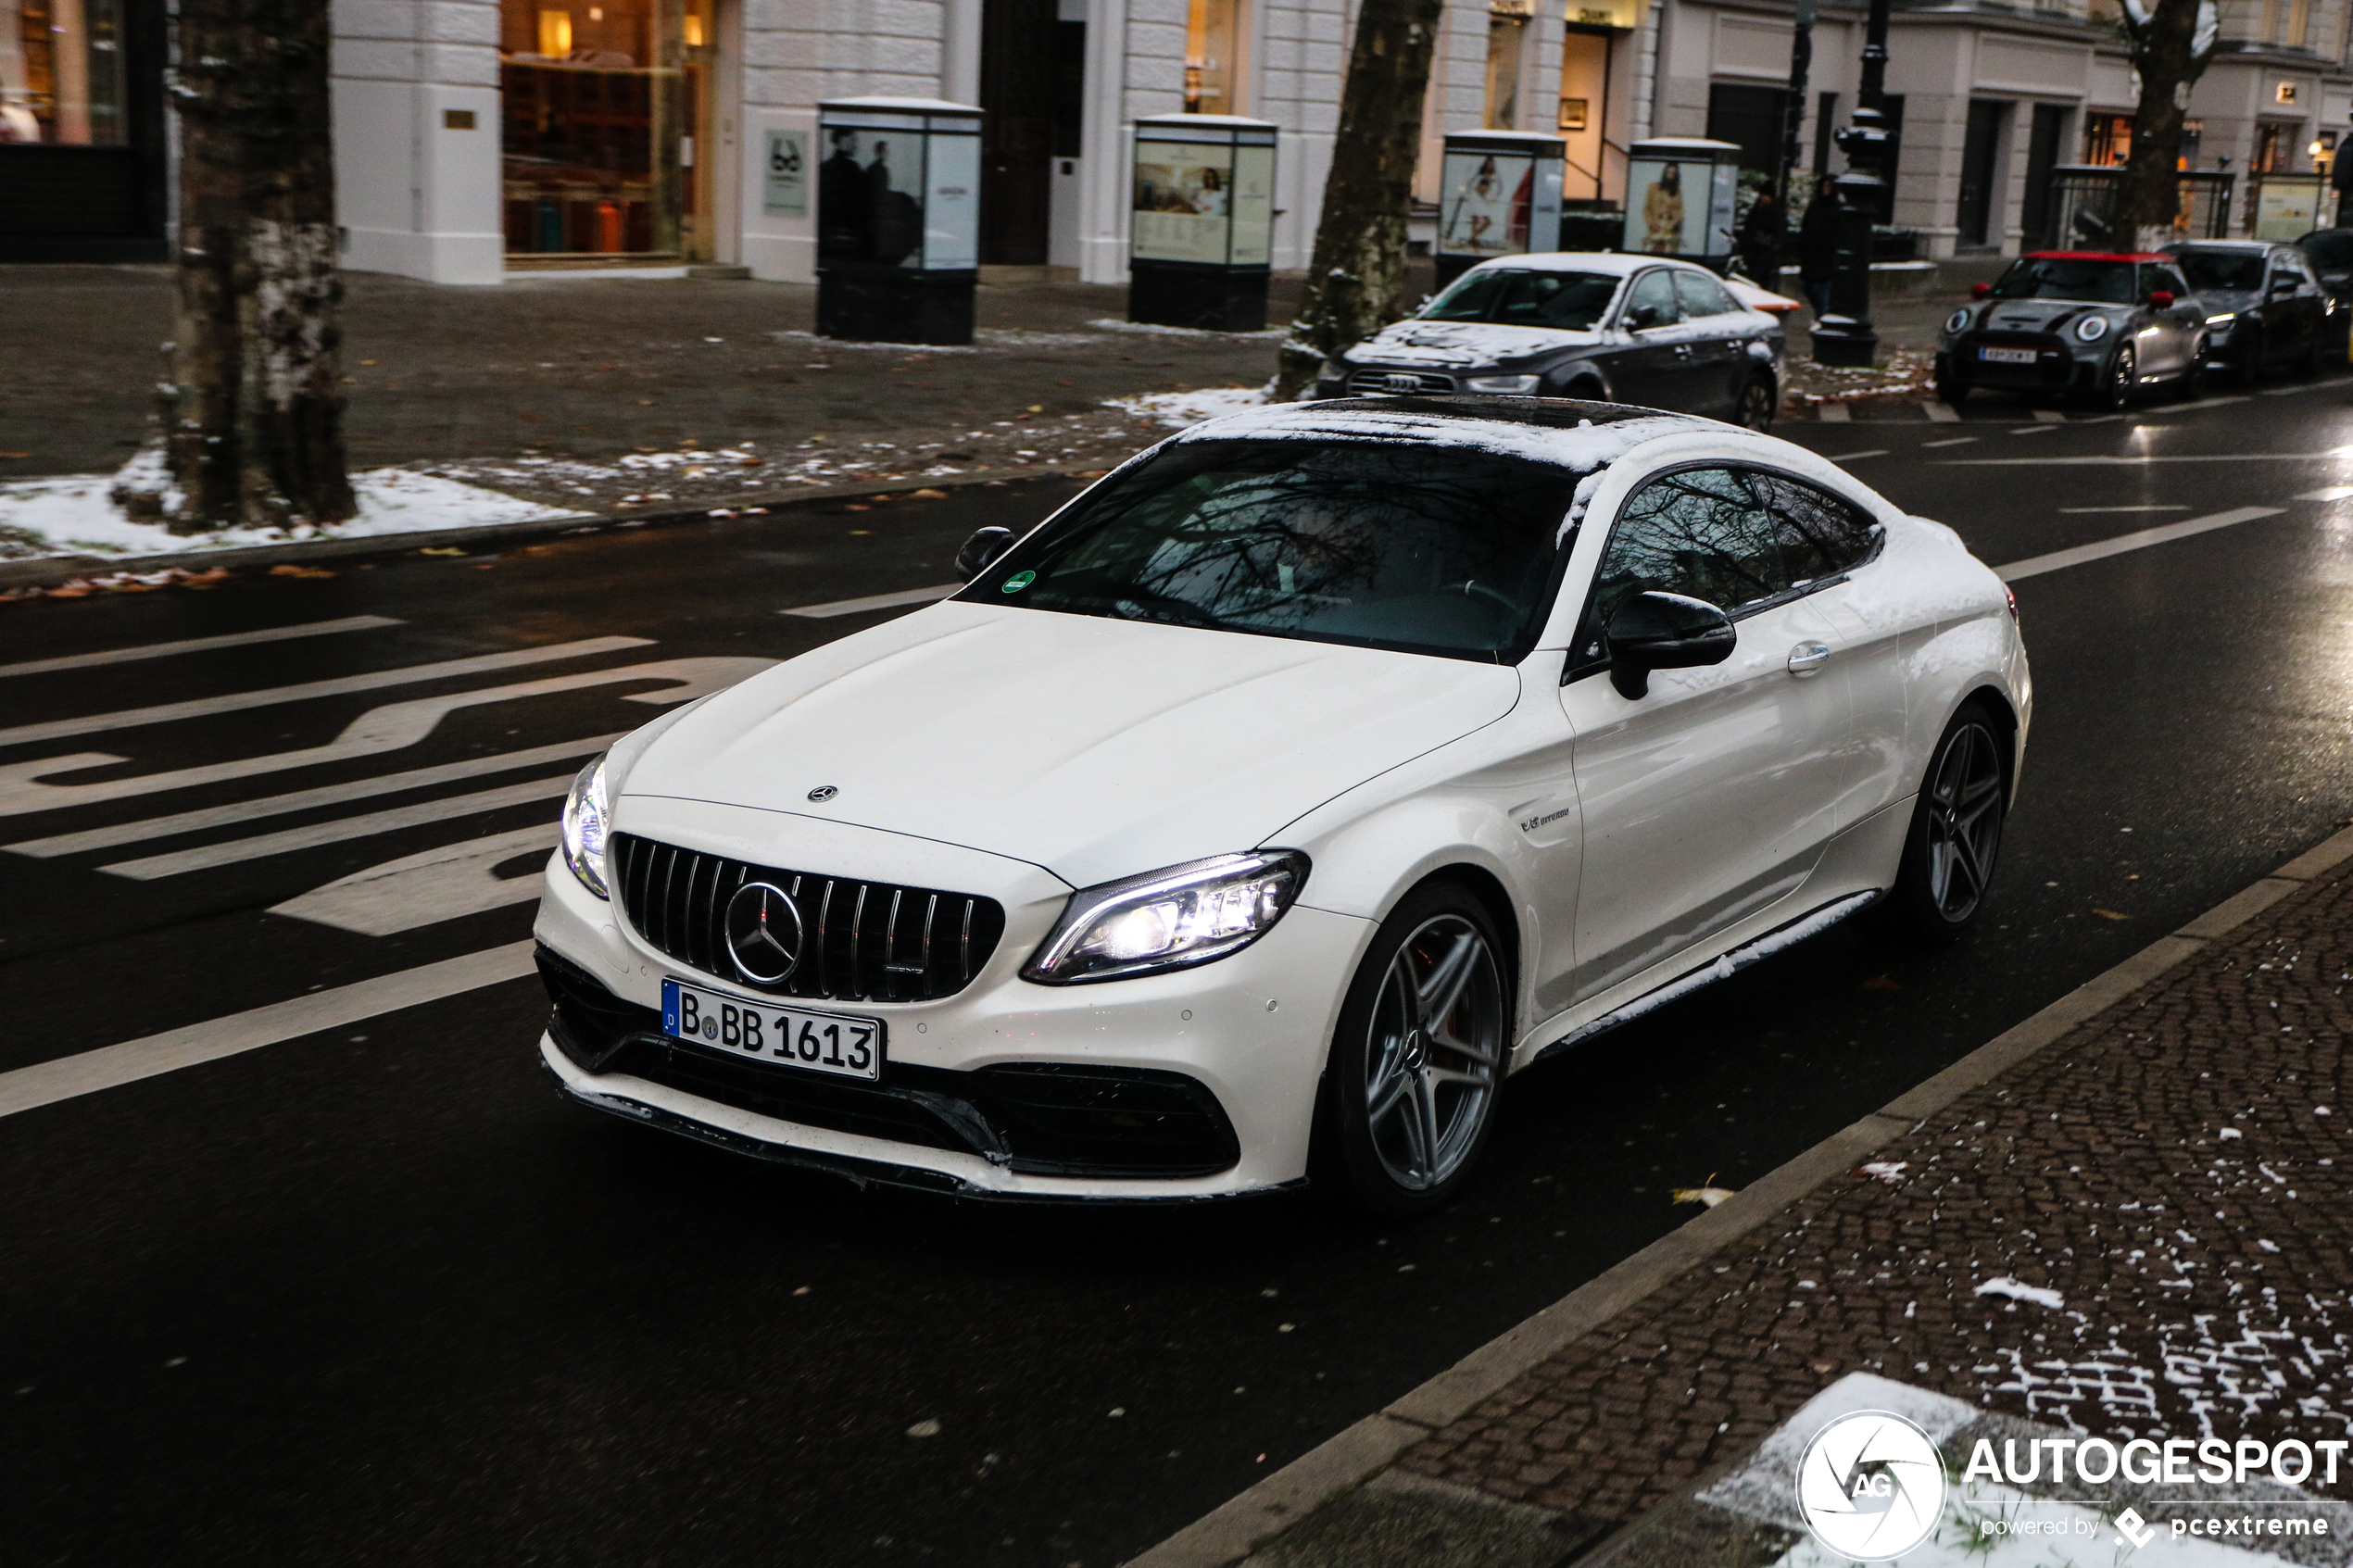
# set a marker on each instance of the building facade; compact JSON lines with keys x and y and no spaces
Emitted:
{"x":480,"y":138}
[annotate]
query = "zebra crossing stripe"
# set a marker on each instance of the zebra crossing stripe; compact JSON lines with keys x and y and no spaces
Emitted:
{"x":196,"y":645}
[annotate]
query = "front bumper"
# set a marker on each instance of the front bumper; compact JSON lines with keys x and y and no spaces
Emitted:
{"x":2057,"y":366}
{"x":1196,"y":1083}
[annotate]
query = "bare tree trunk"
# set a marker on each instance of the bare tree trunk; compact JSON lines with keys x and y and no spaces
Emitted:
{"x":1356,"y":284}
{"x":253,"y":412}
{"x":2170,"y":44}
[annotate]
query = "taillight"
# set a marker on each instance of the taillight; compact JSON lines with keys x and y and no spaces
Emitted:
{"x":2011,"y":595}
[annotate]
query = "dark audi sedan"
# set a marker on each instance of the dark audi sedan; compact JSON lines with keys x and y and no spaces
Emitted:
{"x":1615,"y":329}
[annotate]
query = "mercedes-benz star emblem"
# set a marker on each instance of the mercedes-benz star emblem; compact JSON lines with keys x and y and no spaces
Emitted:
{"x":822,"y":793}
{"x":763,"y":933}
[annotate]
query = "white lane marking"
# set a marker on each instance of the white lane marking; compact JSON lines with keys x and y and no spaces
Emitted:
{"x":304,"y":799}
{"x":2034,"y":566}
{"x":2032,"y":430}
{"x":379,"y":730}
{"x":2327,"y":493}
{"x":286,"y":840}
{"x":423,"y":889}
{"x":233,"y":702}
{"x":2129,"y":461}
{"x":2049,"y":417}
{"x":1941,"y":413}
{"x":2220,"y":402}
{"x":26,"y":1088}
{"x":1836,"y":414}
{"x":1858,"y":457}
{"x":198,"y":644}
{"x":874,"y":601}
{"x":1956,"y":441}
{"x":2082,"y":512}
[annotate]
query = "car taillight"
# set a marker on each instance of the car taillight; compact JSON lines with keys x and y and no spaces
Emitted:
{"x":2011,"y":595}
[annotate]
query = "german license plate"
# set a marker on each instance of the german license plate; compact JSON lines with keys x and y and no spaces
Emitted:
{"x":822,"y":1042}
{"x":2007,"y":356}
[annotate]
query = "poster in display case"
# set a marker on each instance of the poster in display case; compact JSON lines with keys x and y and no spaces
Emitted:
{"x":1501,"y":195}
{"x":897,"y":219}
{"x":1201,"y":224}
{"x":1681,"y":197}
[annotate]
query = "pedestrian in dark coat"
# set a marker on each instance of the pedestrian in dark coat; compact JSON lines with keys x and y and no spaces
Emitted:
{"x":1818,"y":246}
{"x":1761,"y":241}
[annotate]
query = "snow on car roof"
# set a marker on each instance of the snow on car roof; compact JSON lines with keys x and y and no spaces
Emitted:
{"x":2093,"y":256}
{"x":1564,"y":432}
{"x":1613,"y":261}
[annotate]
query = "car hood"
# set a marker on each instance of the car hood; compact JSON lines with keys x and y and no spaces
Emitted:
{"x":1096,"y":749}
{"x":1464,"y":343}
{"x":2219,"y":300}
{"x":2041,"y":315}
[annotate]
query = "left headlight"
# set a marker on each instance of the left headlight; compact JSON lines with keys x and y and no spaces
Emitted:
{"x":2091,"y":329}
{"x":1958,"y":320}
{"x":1501,"y":383}
{"x":1172,"y":919}
{"x":587,"y":815}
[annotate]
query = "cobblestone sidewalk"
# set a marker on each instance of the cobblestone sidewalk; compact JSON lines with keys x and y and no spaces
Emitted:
{"x":2136,"y":1230}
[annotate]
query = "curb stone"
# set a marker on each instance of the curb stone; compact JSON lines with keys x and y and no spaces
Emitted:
{"x":1250,"y":1525}
{"x":48,"y":571}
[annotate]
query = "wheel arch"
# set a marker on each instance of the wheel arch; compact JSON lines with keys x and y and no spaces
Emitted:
{"x":2005,"y":713}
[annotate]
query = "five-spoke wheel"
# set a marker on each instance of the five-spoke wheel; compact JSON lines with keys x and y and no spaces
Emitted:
{"x":1957,"y":828}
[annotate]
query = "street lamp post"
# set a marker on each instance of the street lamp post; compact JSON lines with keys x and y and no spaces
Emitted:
{"x":1800,"y":61}
{"x":1845,"y":337}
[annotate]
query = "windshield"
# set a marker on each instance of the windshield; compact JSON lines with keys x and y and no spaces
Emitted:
{"x":2224,"y":270}
{"x":1571,"y":301}
{"x":2329,"y":252}
{"x":2101,"y":283}
{"x":1422,"y":548}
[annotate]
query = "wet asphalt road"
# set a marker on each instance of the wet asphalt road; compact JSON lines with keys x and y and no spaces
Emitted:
{"x":375,"y":1295}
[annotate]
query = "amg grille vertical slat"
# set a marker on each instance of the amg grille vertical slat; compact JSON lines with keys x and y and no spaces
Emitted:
{"x":931,"y":913}
{"x":891,"y":983}
{"x":698,"y":866}
{"x":857,"y":932}
{"x":825,"y":943}
{"x":965,"y":977}
{"x":667,"y":941}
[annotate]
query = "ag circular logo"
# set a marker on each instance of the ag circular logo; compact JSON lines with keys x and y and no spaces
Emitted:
{"x":763,"y":933}
{"x":1872,"y":1485}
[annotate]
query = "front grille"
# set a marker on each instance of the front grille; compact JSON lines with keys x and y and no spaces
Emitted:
{"x":1034,"y":1118}
{"x":862,"y":941}
{"x":1376,"y":383}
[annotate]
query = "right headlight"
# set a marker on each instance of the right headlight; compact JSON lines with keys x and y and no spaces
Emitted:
{"x":587,"y":816}
{"x":1958,"y":321}
{"x":1172,"y":919}
{"x":2091,"y":329}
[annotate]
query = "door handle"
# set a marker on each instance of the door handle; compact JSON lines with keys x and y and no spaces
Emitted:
{"x":1807,"y":659}
{"x":1682,"y":351}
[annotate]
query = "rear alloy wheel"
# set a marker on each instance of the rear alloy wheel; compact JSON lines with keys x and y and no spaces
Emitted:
{"x":2193,"y":378}
{"x":1754,"y":410}
{"x":2122,"y":381}
{"x":1956,"y":830}
{"x":1409,"y":1097}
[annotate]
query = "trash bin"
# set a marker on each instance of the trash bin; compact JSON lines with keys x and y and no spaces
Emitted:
{"x":1500,"y":197}
{"x":1201,"y":238}
{"x":1682,"y":195}
{"x":897,"y":219}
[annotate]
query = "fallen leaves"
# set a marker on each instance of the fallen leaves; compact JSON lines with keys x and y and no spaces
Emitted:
{"x":2111,"y":914}
{"x":1707,"y":1194}
{"x":287,"y":569}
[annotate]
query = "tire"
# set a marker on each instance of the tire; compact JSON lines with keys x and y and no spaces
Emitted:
{"x":2193,"y":378}
{"x":1951,"y":390}
{"x":1400,"y":1084}
{"x":1753,"y":409}
{"x":2121,"y":382}
{"x":1956,"y":837}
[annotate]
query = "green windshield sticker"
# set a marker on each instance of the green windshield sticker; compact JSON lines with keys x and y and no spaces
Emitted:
{"x":1019,"y":580}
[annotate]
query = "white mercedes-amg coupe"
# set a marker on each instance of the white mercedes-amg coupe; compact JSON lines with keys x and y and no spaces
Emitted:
{"x":1250,"y":820}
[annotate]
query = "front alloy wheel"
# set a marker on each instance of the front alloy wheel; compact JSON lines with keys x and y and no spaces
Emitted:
{"x":1754,"y":410}
{"x":2124,"y":380}
{"x":1956,"y":830}
{"x":1418,"y":1059}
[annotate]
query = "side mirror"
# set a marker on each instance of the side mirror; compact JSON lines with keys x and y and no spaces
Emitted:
{"x":2160,"y":300}
{"x":1642,"y":316}
{"x":1661,"y":631}
{"x":1981,"y":291}
{"x":985,"y":545}
{"x":2283,"y":286}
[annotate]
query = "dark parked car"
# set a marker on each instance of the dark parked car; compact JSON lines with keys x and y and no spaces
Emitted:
{"x":2098,"y":325}
{"x":2331,"y":252}
{"x":1619,"y":329}
{"x":2263,"y":306}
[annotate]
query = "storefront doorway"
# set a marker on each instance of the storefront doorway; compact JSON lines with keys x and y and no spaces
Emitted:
{"x":605,"y":147}
{"x":1017,"y":89}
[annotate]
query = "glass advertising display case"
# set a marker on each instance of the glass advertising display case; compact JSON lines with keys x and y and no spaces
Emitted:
{"x":1201,"y":239}
{"x":1500,"y":197}
{"x":1682,"y":194}
{"x":897,"y":219}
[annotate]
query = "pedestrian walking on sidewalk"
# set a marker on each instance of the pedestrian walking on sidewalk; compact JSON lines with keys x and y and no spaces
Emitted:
{"x":1761,"y":235}
{"x":1818,"y":246}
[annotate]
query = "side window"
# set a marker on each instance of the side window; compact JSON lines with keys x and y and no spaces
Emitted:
{"x":1819,"y":535}
{"x":1655,"y":290}
{"x":1700,"y":531}
{"x":1702,"y":296}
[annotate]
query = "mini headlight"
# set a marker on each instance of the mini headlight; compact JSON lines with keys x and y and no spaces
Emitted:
{"x":1958,"y":321}
{"x":587,"y":815}
{"x":2091,"y":329}
{"x":1502,"y":383}
{"x":1172,"y":919}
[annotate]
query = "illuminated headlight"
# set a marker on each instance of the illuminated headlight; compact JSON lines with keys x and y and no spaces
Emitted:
{"x":1958,"y":321}
{"x":1502,"y":383}
{"x":587,"y":815}
{"x":2091,"y":329}
{"x":2225,"y":320}
{"x":1171,"y":919}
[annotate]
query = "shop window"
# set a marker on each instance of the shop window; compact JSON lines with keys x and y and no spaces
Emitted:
{"x":1506,"y":38}
{"x":1752,"y":118}
{"x":2108,"y":139}
{"x":62,"y":78}
{"x":1213,"y":36}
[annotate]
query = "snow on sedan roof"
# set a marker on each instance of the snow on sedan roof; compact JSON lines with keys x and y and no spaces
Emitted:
{"x":1619,"y":263}
{"x":1578,"y":436}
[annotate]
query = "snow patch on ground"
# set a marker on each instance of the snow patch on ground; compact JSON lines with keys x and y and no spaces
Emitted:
{"x":73,"y":514}
{"x":989,"y":339}
{"x":1111,"y":324}
{"x":2005,"y":1285}
{"x":1180,"y":410}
